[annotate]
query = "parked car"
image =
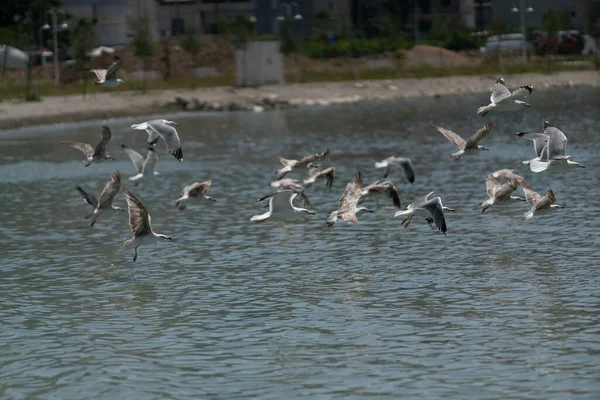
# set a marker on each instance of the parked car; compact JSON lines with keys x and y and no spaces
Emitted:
{"x":564,"y":42}
{"x":504,"y":43}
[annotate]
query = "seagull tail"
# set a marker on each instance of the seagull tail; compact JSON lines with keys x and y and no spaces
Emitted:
{"x":486,"y":204}
{"x":141,"y":126}
{"x":484,"y":110}
{"x":529,"y":214}
{"x":126,"y":242}
{"x":538,"y":166}
{"x":182,"y":202}
{"x":381,"y":164}
{"x":136,"y":177}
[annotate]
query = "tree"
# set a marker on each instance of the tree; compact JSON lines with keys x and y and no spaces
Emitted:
{"x":191,"y":44}
{"x":553,"y":21}
{"x":83,"y":39}
{"x":142,"y":44}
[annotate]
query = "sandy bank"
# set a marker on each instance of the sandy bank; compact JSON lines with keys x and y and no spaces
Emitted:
{"x":111,"y":105}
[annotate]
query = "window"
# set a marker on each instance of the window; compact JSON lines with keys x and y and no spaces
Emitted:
{"x":177,"y":26}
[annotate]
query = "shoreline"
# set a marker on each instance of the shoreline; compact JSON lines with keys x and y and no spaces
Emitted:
{"x":77,"y":108}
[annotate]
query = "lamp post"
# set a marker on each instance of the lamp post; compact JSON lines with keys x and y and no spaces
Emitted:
{"x":53,"y":12}
{"x":286,"y":12}
{"x":522,"y":9}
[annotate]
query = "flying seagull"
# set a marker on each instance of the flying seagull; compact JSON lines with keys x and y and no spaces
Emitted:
{"x":508,"y":174}
{"x":392,"y":163}
{"x":540,"y":140}
{"x":281,"y":208}
{"x":144,"y":166}
{"x":164,"y":129}
{"x":196,"y":189}
{"x":314,"y":174}
{"x":537,"y":201}
{"x":108,"y":77}
{"x":140,"y":224}
{"x":498,"y":193}
{"x":466,"y":145}
{"x":292,"y":184}
{"x":431,"y":209}
{"x":97,"y":154}
{"x":295,"y":165}
{"x":382,"y":189}
{"x":553,"y":157}
{"x":347,"y":209}
{"x":106,"y":198}
{"x":503,"y":100}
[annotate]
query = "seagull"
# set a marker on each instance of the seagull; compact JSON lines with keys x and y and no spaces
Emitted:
{"x":292,"y":184}
{"x":498,"y":193}
{"x":314,"y":174}
{"x":391,"y":163}
{"x":97,"y":154}
{"x":470,"y":144}
{"x":508,"y":174}
{"x":553,"y":157}
{"x":537,"y":201}
{"x":143,"y":166}
{"x":294,"y":165}
{"x":108,"y":77}
{"x":431,"y":209}
{"x":385,"y":189}
{"x":281,"y":208}
{"x":347,"y":209}
{"x":164,"y":129}
{"x":106,"y":198}
{"x":540,"y":140}
{"x":140,"y":224}
{"x":196,"y":189}
{"x":503,"y":100}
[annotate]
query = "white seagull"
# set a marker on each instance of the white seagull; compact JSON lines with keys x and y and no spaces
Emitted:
{"x":391,"y":163}
{"x":295,"y":165}
{"x":108,"y":77}
{"x":92,"y":154}
{"x":144,"y":166}
{"x":503,"y":100}
{"x":292,"y":184}
{"x":540,"y":140}
{"x":431,"y":209}
{"x":196,"y":189}
{"x":315,"y":174}
{"x":537,"y":201}
{"x":162,"y":128}
{"x":347,"y":209}
{"x":554,"y":157}
{"x":140,"y":224}
{"x":468,"y":145}
{"x":498,"y":193}
{"x":106,"y":198}
{"x":281,"y":208}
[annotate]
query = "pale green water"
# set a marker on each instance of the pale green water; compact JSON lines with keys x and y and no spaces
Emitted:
{"x":498,"y":309}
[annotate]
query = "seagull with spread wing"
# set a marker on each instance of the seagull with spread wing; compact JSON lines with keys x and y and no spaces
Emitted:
{"x":503,"y":100}
{"x":140,"y":224}
{"x":539,"y":139}
{"x":164,"y":129}
{"x":432,"y":209}
{"x":281,"y":208}
{"x":108,"y":77}
{"x":196,"y":189}
{"x":554,"y":157}
{"x":498,"y":193}
{"x":144,"y":166}
{"x":315,"y":174}
{"x":92,"y":154}
{"x":468,"y":145}
{"x":292,"y":184}
{"x":537,"y":201}
{"x":392,"y":163}
{"x":106,"y":198}
{"x":295,"y":165}
{"x":347,"y":209}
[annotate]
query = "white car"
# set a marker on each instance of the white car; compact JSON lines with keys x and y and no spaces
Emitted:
{"x":504,"y":43}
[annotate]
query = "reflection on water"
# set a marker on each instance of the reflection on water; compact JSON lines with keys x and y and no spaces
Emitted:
{"x":498,"y":309}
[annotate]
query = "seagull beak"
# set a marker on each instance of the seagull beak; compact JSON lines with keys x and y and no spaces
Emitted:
{"x":451,"y":210}
{"x":176,"y":124}
{"x":581,"y":166}
{"x":528,"y":105}
{"x":311,"y":212}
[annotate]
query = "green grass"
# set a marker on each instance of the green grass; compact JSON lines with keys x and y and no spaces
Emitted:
{"x":10,"y":90}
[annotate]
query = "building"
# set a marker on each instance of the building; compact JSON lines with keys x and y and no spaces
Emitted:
{"x":470,"y":13}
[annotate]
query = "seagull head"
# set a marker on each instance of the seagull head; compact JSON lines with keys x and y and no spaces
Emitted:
{"x":172,"y":123}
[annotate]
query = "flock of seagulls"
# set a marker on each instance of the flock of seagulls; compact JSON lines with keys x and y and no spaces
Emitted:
{"x":501,"y":185}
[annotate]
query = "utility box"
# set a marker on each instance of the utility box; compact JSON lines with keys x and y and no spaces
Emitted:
{"x":259,"y":63}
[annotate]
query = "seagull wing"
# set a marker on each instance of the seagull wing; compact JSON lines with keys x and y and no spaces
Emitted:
{"x":434,"y":208}
{"x":110,"y":190}
{"x":520,"y":93}
{"x":111,"y":73}
{"x":287,"y":163}
{"x":531,"y":196}
{"x":197,"y":188}
{"x":170,"y":136}
{"x":491,"y":185}
{"x":328,"y":174}
{"x":546,"y":201}
{"x":101,"y":146}
{"x":312,"y":158}
{"x":508,"y":174}
{"x":499,"y":91}
{"x":100,"y":74}
{"x":150,"y":160}
{"x":539,"y":140}
{"x":136,"y":158}
{"x":347,"y":204}
{"x":407,"y":166}
{"x":473,"y":141}
{"x":452,"y":137}
{"x":139,"y":219}
{"x":386,"y":189}
{"x":557,"y":142}
{"x":85,"y":148}
{"x":88,"y":198}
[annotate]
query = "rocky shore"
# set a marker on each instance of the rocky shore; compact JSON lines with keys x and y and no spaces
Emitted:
{"x":123,"y":104}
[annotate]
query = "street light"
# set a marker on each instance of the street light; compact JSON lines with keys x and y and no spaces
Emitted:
{"x":516,"y":9}
{"x":53,"y":12}
{"x":289,"y":10}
